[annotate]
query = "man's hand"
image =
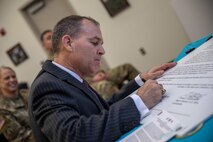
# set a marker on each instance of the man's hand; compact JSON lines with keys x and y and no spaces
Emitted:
{"x":151,"y":93}
{"x":156,"y":71}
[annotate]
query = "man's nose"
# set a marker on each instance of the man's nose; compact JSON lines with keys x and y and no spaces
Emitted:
{"x":12,"y":78}
{"x":101,"y":51}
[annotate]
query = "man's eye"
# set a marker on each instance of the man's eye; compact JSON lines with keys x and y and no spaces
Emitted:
{"x":94,"y":43}
{"x":13,"y":76}
{"x":49,"y":37}
{"x":7,"y":78}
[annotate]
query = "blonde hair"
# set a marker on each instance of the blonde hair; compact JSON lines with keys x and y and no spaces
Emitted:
{"x":5,"y":67}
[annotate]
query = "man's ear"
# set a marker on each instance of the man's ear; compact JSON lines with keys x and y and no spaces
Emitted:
{"x":67,"y":42}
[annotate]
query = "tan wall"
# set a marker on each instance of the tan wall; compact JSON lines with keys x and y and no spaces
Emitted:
{"x":18,"y":31}
{"x":151,"y":24}
{"x":195,"y":16}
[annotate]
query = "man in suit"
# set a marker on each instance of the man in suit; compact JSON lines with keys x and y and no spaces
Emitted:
{"x":63,"y":108}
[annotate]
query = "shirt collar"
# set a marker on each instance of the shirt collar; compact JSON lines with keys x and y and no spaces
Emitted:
{"x":69,"y":71}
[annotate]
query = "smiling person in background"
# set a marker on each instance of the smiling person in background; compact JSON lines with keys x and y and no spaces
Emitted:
{"x":13,"y":108}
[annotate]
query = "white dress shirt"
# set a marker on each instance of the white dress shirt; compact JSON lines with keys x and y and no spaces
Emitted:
{"x":142,"y":108}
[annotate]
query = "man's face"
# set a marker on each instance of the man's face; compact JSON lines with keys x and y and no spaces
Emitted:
{"x":47,"y":41}
{"x":8,"y":81}
{"x":88,"y":49}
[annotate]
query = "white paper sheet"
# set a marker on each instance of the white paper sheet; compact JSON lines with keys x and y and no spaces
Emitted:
{"x":189,"y":88}
{"x":158,"y":129}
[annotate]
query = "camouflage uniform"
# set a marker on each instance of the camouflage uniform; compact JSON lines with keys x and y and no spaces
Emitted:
{"x":50,"y":55}
{"x":14,"y":123}
{"x":105,"y":88}
{"x":116,"y":79}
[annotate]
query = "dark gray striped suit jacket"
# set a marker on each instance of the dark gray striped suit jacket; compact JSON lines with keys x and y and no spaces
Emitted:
{"x":62,"y":109}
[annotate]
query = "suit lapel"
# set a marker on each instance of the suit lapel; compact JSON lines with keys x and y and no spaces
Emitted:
{"x":88,"y":92}
{"x":103,"y":102}
{"x":64,"y":76}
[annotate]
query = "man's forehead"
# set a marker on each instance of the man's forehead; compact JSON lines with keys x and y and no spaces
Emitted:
{"x":92,"y":30}
{"x":48,"y":33}
{"x":89,"y":26}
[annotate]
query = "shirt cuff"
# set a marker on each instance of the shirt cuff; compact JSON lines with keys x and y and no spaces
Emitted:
{"x":138,"y":80}
{"x":142,"y":108}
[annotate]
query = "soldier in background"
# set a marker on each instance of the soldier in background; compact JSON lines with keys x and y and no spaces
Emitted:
{"x":109,"y":82}
{"x":46,"y":39}
{"x":14,"y":121}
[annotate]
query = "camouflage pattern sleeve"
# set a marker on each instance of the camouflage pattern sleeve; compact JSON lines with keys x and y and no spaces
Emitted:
{"x":121,"y":73}
{"x":2,"y":122}
{"x":24,"y":95}
{"x":14,"y":120}
{"x":105,"y":88}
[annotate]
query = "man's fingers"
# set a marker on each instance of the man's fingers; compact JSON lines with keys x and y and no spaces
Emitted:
{"x":163,"y":67}
{"x":157,"y":74}
{"x":168,"y":65}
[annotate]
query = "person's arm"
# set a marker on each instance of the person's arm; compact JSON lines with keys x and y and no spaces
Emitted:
{"x":143,"y":107}
{"x":126,"y":90}
{"x":57,"y":113}
{"x":139,"y":80}
{"x":105,"y":88}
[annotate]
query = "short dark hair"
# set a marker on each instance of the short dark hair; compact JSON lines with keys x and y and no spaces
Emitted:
{"x":70,"y":25}
{"x":43,"y":33}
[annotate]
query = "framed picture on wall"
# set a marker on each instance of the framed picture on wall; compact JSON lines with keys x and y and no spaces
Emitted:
{"x":17,"y":54}
{"x":115,"y":6}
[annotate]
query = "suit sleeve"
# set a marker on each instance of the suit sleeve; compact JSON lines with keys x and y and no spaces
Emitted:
{"x":57,"y":113}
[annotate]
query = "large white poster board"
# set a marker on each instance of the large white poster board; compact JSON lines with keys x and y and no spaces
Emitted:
{"x":189,"y":85}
